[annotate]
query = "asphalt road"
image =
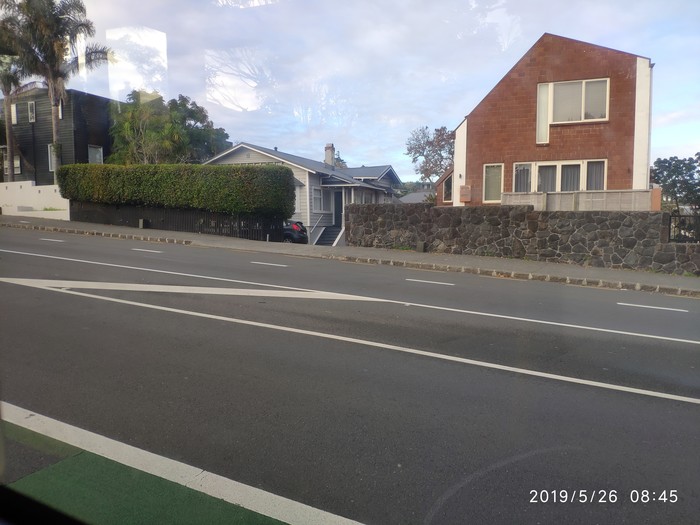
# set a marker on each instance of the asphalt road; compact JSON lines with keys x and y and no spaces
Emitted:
{"x":387,"y":406}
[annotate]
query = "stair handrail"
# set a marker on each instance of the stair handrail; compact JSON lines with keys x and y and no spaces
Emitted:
{"x":319,"y":220}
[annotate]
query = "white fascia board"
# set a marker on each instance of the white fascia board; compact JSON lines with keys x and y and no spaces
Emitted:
{"x":268,"y":154}
{"x":642,"y":126}
{"x":253,"y":148}
{"x":459,"y":175}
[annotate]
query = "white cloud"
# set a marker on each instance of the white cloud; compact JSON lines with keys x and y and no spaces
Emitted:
{"x":363,"y":74}
{"x":141,"y":60}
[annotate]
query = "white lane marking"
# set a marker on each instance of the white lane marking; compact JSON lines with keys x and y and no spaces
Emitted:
{"x":154,"y":270}
{"x":549,"y":323}
{"x":418,"y":305}
{"x":25,"y":222}
{"x":653,"y":307}
{"x":257,"y":500}
{"x":202,"y":290}
{"x":396,"y":348}
{"x":429,"y":282}
{"x":144,"y":250}
{"x":52,"y":240}
{"x":269,"y":264}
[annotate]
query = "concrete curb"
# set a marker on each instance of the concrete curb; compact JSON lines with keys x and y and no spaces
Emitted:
{"x":128,"y":236}
{"x":574,"y":281}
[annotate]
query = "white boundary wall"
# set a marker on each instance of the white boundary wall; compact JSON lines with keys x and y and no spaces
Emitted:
{"x":608,"y":200}
{"x":27,"y":200}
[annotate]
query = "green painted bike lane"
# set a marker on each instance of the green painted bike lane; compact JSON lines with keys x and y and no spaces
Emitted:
{"x":97,"y":490}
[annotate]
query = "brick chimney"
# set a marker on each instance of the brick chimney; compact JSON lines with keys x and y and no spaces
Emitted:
{"x":330,"y":155}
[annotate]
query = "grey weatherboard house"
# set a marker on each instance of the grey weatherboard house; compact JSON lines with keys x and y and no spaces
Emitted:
{"x":322,"y":188}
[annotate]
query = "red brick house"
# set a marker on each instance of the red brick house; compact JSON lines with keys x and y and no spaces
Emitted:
{"x":570,"y":119}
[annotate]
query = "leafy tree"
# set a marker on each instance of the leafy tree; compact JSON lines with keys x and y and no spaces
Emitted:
{"x":43,"y":34}
{"x":143,"y":132}
{"x":146,"y":130}
{"x":679,"y":179}
{"x":431,"y":153}
{"x":339,"y":161}
{"x":204,"y":140}
{"x":409,"y":187}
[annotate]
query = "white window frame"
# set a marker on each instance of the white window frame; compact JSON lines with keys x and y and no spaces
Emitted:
{"x":60,"y":109}
{"x":6,"y":166}
{"x":13,"y":113}
{"x":324,"y":199}
{"x":298,"y":193}
{"x":51,"y":167}
{"x":31,"y":109}
{"x":448,"y":185}
{"x":316,"y":193}
{"x":545,"y":118}
{"x":531,"y":166}
{"x":583,"y":172}
{"x":483,"y":189}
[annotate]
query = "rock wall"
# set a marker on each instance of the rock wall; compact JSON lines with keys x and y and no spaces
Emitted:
{"x":633,"y":240}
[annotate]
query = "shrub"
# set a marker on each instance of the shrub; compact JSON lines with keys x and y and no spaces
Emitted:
{"x":236,"y":189}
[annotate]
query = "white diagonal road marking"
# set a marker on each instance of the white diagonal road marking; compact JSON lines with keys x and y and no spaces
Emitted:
{"x":398,"y":348}
{"x":145,"y":250}
{"x":270,"y":264}
{"x":53,"y":284}
{"x":654,"y":307}
{"x":429,"y":282}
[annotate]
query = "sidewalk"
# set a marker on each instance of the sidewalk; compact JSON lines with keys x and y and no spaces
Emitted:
{"x":688,"y":286}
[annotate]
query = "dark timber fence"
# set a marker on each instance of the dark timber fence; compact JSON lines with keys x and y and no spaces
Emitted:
{"x":184,"y":220}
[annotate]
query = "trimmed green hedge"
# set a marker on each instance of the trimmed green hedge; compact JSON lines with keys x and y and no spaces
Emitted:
{"x":236,"y":189}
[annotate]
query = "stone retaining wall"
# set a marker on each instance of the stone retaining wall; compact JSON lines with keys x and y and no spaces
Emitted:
{"x":633,"y":240}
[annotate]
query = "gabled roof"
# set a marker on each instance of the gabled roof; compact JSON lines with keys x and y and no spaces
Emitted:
{"x":449,"y":171}
{"x":370,"y":173}
{"x":336,"y":176}
{"x":559,"y":42}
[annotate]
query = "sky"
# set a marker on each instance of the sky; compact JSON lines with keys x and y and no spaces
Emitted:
{"x":298,"y":74}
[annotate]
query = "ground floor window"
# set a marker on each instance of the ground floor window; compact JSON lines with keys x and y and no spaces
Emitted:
{"x":546,"y":178}
{"x":95,"y":154}
{"x":595,"y":175}
{"x":550,"y":177}
{"x":522,"y":174}
{"x":322,"y":200}
{"x":447,"y":189}
{"x":17,"y":164}
{"x":51,"y":167}
{"x":493,"y":182}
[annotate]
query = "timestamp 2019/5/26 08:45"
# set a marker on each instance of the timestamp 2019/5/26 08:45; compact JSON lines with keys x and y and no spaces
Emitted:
{"x":603,"y":496}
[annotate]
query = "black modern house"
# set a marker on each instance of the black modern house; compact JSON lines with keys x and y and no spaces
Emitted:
{"x":84,"y":132}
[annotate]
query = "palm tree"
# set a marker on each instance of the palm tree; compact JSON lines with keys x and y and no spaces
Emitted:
{"x":10,"y":77}
{"x":44,"y":34}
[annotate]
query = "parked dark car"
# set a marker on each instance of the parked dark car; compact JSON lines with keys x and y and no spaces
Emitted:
{"x":295,"y":231}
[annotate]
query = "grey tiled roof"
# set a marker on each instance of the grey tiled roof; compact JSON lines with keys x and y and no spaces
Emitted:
{"x":360,"y":177}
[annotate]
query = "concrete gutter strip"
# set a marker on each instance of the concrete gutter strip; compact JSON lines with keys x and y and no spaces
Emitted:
{"x":96,"y":233}
{"x":596,"y":283}
{"x":418,"y":265}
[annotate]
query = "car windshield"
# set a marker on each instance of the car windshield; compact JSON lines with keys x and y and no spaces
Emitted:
{"x":379,"y":262}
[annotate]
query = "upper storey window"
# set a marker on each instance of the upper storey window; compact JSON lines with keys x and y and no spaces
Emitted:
{"x":570,"y":102}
